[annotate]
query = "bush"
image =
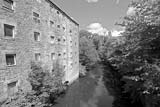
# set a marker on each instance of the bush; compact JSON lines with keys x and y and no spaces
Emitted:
{"x":140,"y":58}
{"x":46,"y":88}
{"x":83,"y":71}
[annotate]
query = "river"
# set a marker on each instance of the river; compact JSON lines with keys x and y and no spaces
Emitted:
{"x":89,"y":91}
{"x":100,"y":88}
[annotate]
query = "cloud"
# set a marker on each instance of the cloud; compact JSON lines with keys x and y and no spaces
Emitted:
{"x":97,"y":28}
{"x":131,"y":11}
{"x":116,"y":33}
{"x":92,"y":1}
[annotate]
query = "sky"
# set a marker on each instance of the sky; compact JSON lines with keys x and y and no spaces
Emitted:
{"x":98,"y":16}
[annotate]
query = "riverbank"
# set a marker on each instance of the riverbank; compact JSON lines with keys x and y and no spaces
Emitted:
{"x":101,"y":87}
{"x":116,"y":86}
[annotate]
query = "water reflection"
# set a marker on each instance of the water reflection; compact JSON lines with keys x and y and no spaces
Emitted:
{"x":101,"y":88}
{"x":114,"y":86}
{"x":100,"y":97}
{"x":87,"y":92}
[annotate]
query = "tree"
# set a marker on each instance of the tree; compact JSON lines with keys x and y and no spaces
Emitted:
{"x":88,"y":54}
{"x":140,"y":58}
{"x":46,"y":88}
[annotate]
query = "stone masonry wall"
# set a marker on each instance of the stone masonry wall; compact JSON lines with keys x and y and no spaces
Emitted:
{"x":25,"y":47}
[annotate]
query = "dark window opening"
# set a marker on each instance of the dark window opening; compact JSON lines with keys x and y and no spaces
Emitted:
{"x":8,"y":4}
{"x":10,"y":59}
{"x":59,"y":54}
{"x":53,"y":56}
{"x":35,"y":14}
{"x":52,"y":39}
{"x":51,"y":23}
{"x":8,"y":30}
{"x":59,"y":39}
{"x":64,"y":66}
{"x":37,"y":56}
{"x":12,"y":88}
{"x":36,"y":36}
{"x":57,"y":12}
{"x":36,"y":17}
{"x":58,"y":26}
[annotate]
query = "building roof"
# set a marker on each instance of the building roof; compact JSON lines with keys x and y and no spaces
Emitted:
{"x":51,"y":1}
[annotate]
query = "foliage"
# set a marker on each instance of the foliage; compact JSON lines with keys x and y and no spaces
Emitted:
{"x":82,"y":70}
{"x":46,"y":88}
{"x":111,"y":47}
{"x":88,"y":53}
{"x":99,"y":43}
{"x":138,"y":59}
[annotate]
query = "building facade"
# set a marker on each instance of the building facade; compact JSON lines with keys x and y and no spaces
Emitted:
{"x":35,"y":30}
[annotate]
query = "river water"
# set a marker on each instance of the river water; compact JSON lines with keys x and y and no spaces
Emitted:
{"x":89,"y":91}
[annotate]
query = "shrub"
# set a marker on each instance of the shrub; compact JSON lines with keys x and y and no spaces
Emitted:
{"x":46,"y":88}
{"x":82,"y":70}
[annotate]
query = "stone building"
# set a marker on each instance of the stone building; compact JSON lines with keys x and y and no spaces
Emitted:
{"x":35,"y":30}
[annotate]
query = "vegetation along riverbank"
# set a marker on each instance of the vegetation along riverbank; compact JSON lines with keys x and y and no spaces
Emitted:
{"x":130,"y":64}
{"x":134,"y":56}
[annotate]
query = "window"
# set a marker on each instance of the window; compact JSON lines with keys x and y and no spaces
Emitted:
{"x":12,"y":89}
{"x":64,"y":28}
{"x":10,"y":59}
{"x":64,"y":66}
{"x":36,"y":36}
{"x":53,"y":56}
{"x":37,"y":56}
{"x":58,"y":26}
{"x":35,"y":14}
{"x":8,"y":30}
{"x":57,"y":12}
{"x":8,"y":4}
{"x":59,"y":54}
{"x":59,"y":39}
{"x":36,"y":17}
{"x":51,"y":23}
{"x":52,"y":39}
